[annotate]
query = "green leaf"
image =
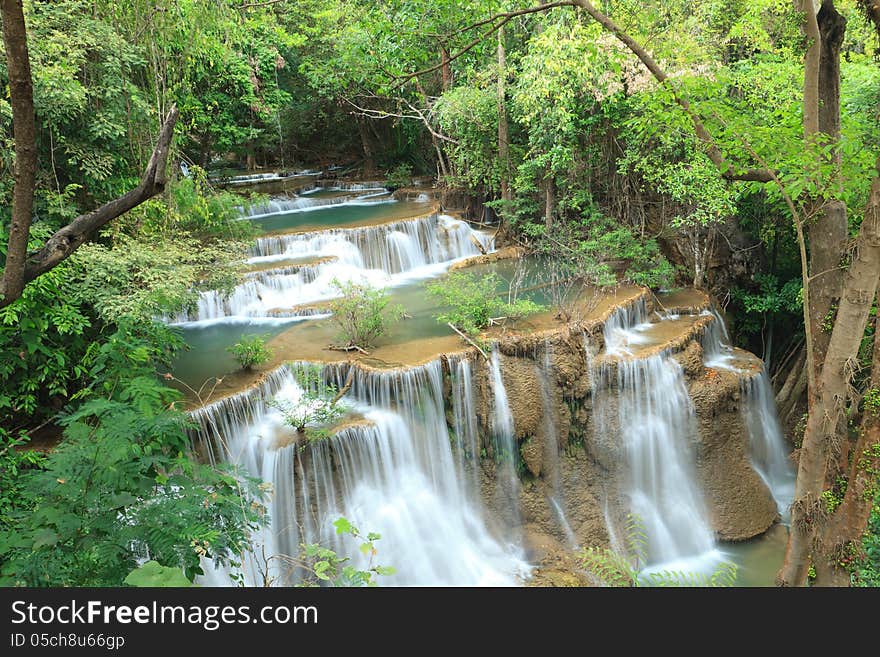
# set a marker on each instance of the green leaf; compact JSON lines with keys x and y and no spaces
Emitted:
{"x":343,"y":526}
{"x":44,"y":537}
{"x":152,"y":573}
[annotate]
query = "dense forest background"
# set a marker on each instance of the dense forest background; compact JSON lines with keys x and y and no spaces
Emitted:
{"x":546,"y":125}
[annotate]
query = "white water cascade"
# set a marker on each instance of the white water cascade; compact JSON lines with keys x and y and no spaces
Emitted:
{"x":393,"y":472}
{"x":304,"y":202}
{"x":504,"y":439}
{"x":383,"y":255}
{"x":642,"y":405}
{"x":768,"y":449}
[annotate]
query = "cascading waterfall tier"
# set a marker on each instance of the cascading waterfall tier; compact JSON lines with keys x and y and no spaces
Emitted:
{"x":767,"y":445}
{"x":305,"y":202}
{"x":393,"y":471}
{"x":381,"y":255}
{"x":643,"y":405}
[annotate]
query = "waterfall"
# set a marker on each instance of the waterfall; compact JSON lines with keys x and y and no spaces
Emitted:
{"x":393,"y":472}
{"x":305,"y":203}
{"x":768,"y":448}
{"x":642,"y":411}
{"x":767,"y":445}
{"x":655,"y":425}
{"x":624,"y":326}
{"x":551,"y":466}
{"x":464,"y":415}
{"x":383,"y":255}
{"x":504,"y":439}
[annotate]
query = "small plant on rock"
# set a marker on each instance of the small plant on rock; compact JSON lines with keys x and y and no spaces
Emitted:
{"x":475,"y":303}
{"x":363,"y":314}
{"x":250,"y":351}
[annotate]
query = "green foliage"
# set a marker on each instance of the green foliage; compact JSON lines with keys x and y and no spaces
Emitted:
{"x":615,"y":569}
{"x":317,"y":408}
{"x":474,"y":301}
{"x":154,"y":574}
{"x":250,"y":351}
{"x":44,"y":337}
{"x":871,"y":400}
{"x":329,"y":569}
{"x":399,"y":177}
{"x":362,"y":313}
{"x":121,"y":486}
{"x":867,"y":565}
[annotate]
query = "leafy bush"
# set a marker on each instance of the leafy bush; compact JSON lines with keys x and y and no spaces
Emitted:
{"x":362,"y":313}
{"x":475,"y":302}
{"x":120,"y":486}
{"x":250,"y":351}
{"x":401,"y":176}
{"x":329,"y":568}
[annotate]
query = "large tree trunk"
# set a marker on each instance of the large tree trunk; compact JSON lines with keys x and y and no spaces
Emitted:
{"x":840,"y":537}
{"x":826,"y":425}
{"x":827,"y":233}
{"x":24,"y":132}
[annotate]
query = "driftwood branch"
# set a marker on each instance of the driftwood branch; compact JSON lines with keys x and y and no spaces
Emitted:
{"x":348,"y":347}
{"x":345,"y":388}
{"x":65,"y":241}
{"x":468,"y":340}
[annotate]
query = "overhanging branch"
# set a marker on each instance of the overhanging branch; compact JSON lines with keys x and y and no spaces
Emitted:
{"x":68,"y":239}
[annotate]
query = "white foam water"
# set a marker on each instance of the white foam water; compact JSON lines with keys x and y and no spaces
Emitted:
{"x":393,"y":473}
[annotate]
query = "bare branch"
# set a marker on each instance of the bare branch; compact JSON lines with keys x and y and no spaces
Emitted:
{"x":417,"y":115}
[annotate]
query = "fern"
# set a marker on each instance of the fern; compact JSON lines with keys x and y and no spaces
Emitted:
{"x":615,"y":569}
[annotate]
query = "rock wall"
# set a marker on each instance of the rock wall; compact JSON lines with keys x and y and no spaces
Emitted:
{"x":566,"y":462}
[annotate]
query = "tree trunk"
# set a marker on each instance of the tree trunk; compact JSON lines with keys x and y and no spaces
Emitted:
{"x":24,"y":132}
{"x":369,"y":159}
{"x":827,"y":234}
{"x":549,"y":201}
{"x":840,"y":537}
{"x":826,"y":425}
{"x":68,"y":239}
{"x":503,"y":130}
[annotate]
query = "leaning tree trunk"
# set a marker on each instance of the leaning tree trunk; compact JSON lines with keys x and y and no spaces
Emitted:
{"x":839,"y":538}
{"x":24,"y":132}
{"x":826,"y":425}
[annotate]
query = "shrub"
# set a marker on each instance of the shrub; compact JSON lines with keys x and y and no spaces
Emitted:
{"x":362,"y":313}
{"x":474,"y":302}
{"x":250,"y":350}
{"x":399,"y":177}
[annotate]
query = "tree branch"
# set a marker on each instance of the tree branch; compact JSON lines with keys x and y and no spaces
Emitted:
{"x":65,"y":241}
{"x":504,"y":18}
{"x":265,"y":3}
